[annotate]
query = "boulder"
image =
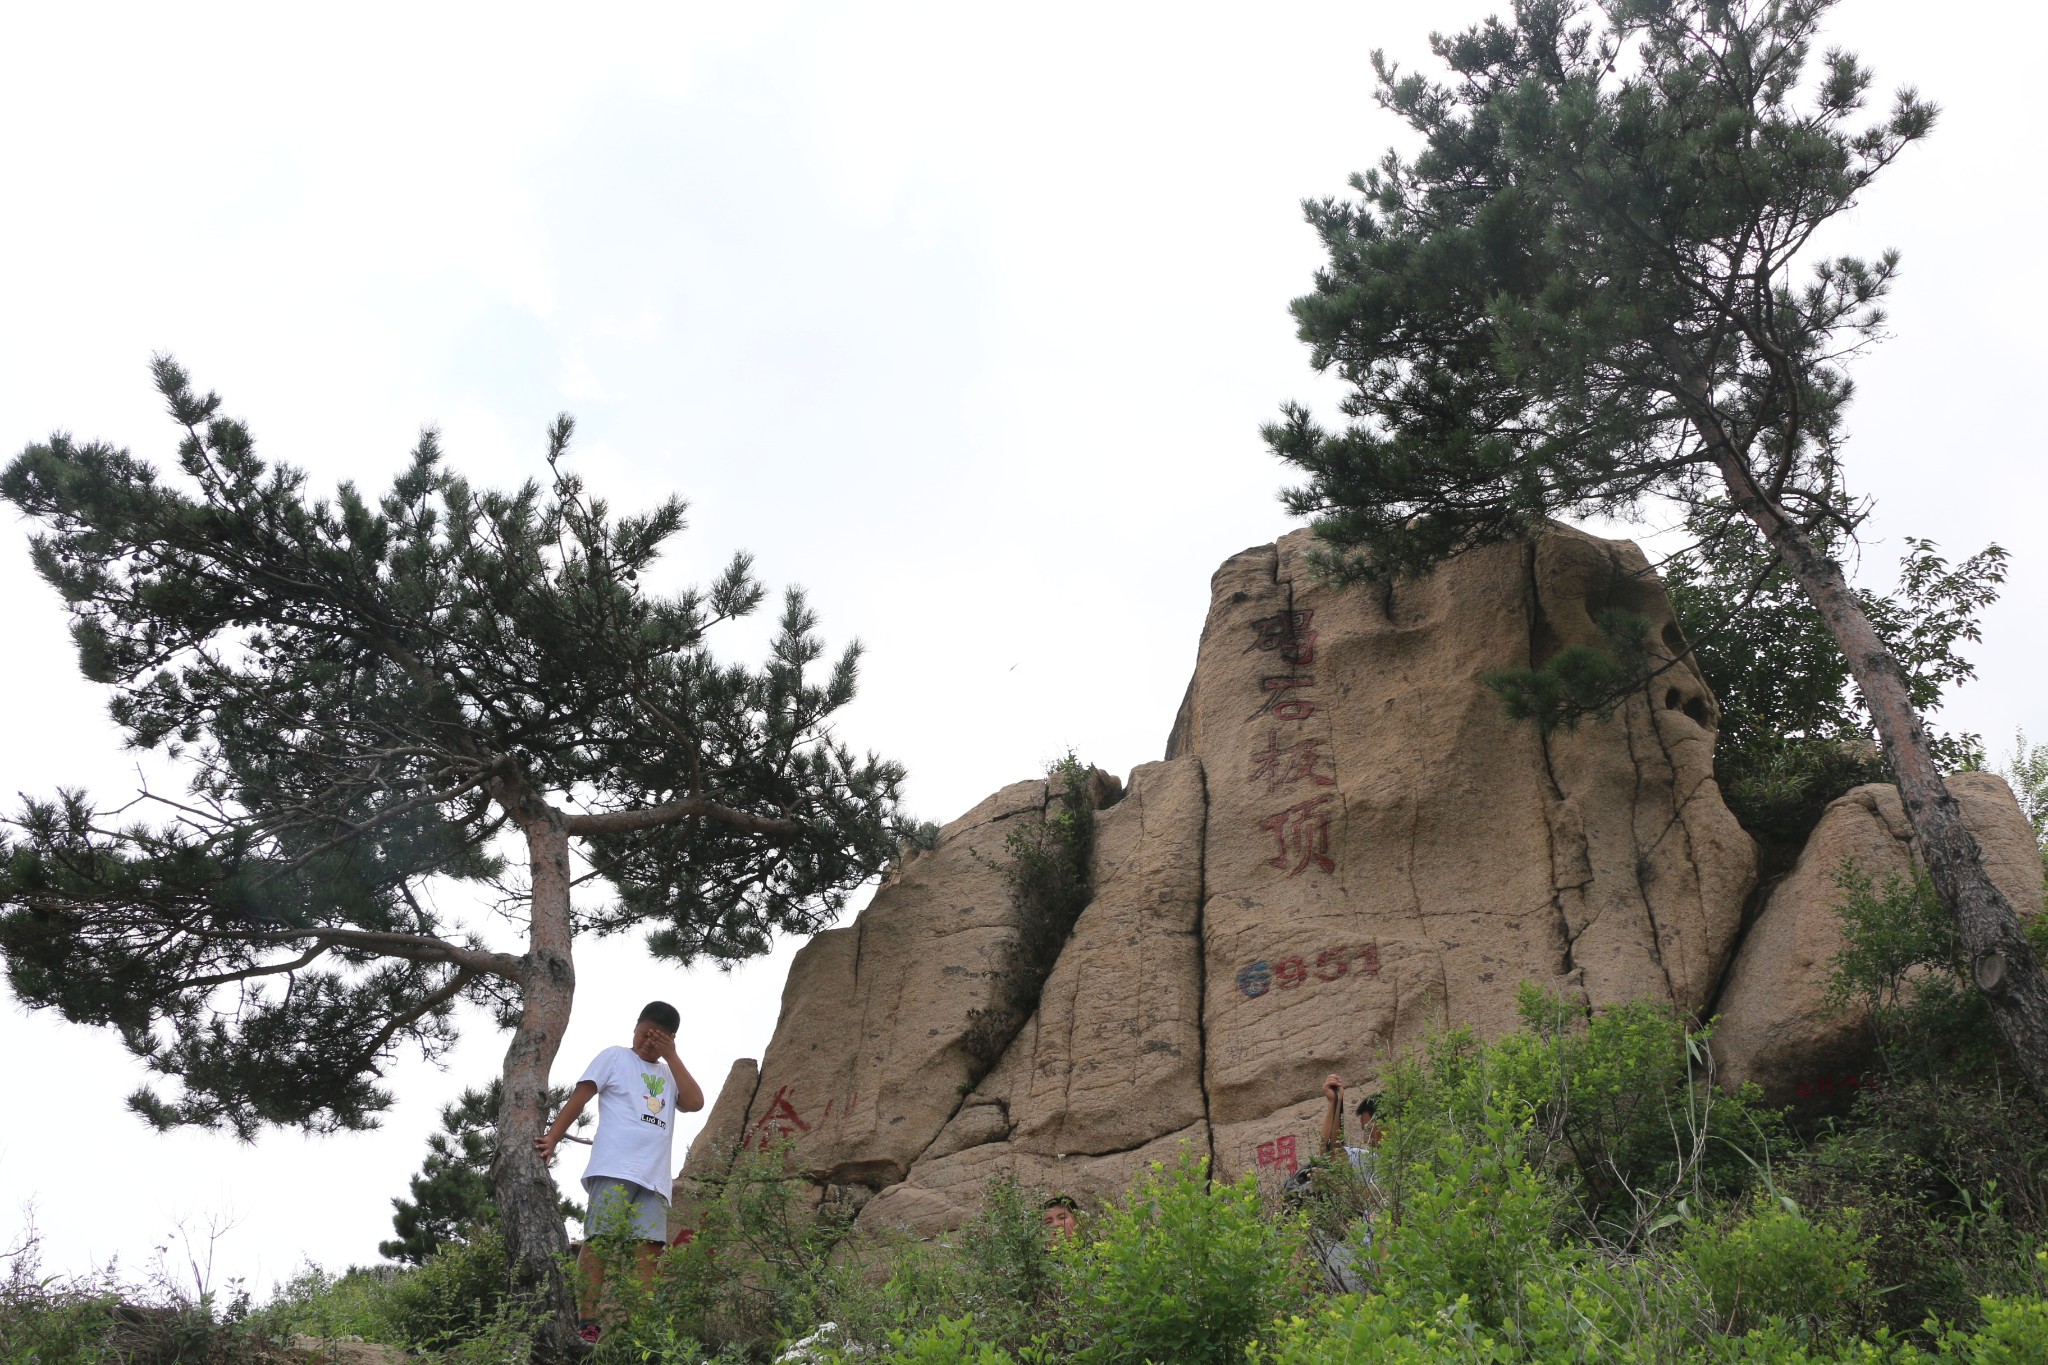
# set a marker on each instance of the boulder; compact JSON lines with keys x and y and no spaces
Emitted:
{"x":1774,"y":1029}
{"x":1110,"y":1065}
{"x":1388,"y":854}
{"x":716,"y":1144}
{"x":1349,"y":847}
{"x":865,"y":1065}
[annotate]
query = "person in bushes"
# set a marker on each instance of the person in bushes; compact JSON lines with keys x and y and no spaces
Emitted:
{"x":639,"y":1090}
{"x":1341,"y":1202}
{"x":1061,"y":1217}
{"x":1365,"y":1157}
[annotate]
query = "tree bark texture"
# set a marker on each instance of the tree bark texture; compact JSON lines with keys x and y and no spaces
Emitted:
{"x":529,"y":1212}
{"x":2003,"y":963}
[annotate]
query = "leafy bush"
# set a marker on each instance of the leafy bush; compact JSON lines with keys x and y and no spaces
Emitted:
{"x":1904,"y":962}
{"x":1373,"y":1330}
{"x":949,"y":1341}
{"x":316,"y":1303}
{"x":1179,"y":1270}
{"x":1793,"y":733}
{"x":765,"y":1263}
{"x":998,"y":1268}
{"x":1474,"y":1223}
{"x":1777,"y":1263}
{"x":457,"y":1294}
{"x":51,"y":1319}
{"x":1610,"y":1103}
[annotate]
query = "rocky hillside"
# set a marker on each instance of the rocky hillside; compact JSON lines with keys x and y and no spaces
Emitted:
{"x":1347,"y":847}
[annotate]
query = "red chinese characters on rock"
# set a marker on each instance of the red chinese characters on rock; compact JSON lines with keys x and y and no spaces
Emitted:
{"x":1280,"y":704}
{"x":1279,"y":1155}
{"x":779,"y":1123}
{"x":1286,"y":634}
{"x":1302,"y":836}
{"x":1288,"y":762}
{"x":1281,"y":766}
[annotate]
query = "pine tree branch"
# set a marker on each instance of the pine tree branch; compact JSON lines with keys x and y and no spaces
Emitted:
{"x":413,"y":947}
{"x":449,"y":991}
{"x":673,"y":812}
{"x":223,"y":978}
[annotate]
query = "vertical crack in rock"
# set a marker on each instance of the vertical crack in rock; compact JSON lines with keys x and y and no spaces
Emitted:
{"x":722,"y":1162}
{"x":1679,"y":806}
{"x":1641,"y":856}
{"x":1202,"y":968}
{"x":860,"y":943}
{"x":1565,"y":937}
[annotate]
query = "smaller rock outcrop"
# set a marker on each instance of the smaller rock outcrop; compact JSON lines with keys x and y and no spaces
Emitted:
{"x":1107,"y":1075}
{"x":1774,"y":1028}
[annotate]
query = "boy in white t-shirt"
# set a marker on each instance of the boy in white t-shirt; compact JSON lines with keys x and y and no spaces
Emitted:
{"x":639,"y":1091}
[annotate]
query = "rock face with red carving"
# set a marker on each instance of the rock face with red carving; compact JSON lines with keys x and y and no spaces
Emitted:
{"x":1388,"y":853}
{"x":865,"y":1066}
{"x":1348,"y":848}
{"x":1774,"y":1027}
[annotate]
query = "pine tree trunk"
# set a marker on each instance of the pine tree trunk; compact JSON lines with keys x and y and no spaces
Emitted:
{"x":2002,"y":962}
{"x":529,"y":1211}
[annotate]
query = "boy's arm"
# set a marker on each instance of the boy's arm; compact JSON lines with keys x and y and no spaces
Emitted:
{"x":584,"y":1092}
{"x":689,"y":1095}
{"x":1333,"y":1114}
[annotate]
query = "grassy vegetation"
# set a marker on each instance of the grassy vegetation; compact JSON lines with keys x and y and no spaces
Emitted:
{"x":1578,"y":1191}
{"x":1575,"y":1192}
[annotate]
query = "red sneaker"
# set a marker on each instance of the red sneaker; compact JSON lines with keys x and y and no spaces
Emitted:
{"x":588,"y":1331}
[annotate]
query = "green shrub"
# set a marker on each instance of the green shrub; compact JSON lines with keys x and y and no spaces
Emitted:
{"x":1474,"y":1222}
{"x":315,"y":1303}
{"x":767,"y":1262}
{"x":1609,"y":1102}
{"x":2014,"y":1331}
{"x":998,"y":1268}
{"x":457,"y":1294}
{"x":1777,"y":1263}
{"x":1178,"y":1270}
{"x":1903,"y":960}
{"x":1371,"y":1331}
{"x":51,"y":1320}
{"x":949,"y":1341}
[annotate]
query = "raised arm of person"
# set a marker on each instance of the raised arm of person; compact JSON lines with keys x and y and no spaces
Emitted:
{"x":1333,"y":1113}
{"x":582,"y":1095}
{"x":689,"y":1095}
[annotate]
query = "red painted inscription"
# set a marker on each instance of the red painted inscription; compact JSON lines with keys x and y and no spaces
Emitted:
{"x":1279,"y":1155}
{"x":1281,"y":766}
{"x":780,"y":1122}
{"x":1302,"y":836}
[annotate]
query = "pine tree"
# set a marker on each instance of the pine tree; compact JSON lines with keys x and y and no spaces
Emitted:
{"x":1595,"y":285}
{"x":452,"y":1192}
{"x":377,"y":697}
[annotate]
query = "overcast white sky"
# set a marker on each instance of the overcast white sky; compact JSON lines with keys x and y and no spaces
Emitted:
{"x":963,"y":317}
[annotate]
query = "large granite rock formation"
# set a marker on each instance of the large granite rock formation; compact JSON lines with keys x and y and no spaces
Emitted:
{"x":1775,"y":1029}
{"x":1348,"y":847}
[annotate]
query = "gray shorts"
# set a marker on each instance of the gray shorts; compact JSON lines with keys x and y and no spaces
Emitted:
{"x":617,"y":1205}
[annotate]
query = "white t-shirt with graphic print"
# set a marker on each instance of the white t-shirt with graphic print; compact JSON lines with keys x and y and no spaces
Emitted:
{"x":636,"y":1120}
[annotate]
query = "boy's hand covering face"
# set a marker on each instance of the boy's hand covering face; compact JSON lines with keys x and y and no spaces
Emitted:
{"x":651,"y":1043}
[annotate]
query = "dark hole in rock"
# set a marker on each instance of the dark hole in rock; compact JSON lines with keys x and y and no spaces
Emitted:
{"x":1672,"y":699}
{"x":1697,"y":709}
{"x":1673,"y":641}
